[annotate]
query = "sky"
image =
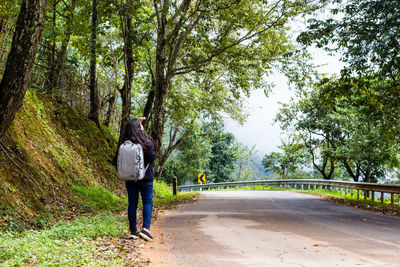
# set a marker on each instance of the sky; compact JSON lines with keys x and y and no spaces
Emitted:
{"x":260,"y":129}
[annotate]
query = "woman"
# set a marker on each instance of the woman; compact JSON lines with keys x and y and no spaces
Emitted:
{"x":135,"y":133}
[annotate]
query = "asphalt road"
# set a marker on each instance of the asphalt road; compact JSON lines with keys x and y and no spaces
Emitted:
{"x":272,"y":228}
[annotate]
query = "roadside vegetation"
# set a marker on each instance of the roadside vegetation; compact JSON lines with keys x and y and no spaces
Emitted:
{"x":90,"y":240}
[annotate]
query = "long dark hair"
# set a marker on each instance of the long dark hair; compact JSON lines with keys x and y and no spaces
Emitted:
{"x":134,"y":133}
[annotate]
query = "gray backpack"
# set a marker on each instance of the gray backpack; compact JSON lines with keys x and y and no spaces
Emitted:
{"x":130,"y":164}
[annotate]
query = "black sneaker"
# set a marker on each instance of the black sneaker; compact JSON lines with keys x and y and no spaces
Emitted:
{"x":146,"y":235}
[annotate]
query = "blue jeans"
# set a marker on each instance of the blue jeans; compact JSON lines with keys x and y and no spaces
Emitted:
{"x":146,"y":191}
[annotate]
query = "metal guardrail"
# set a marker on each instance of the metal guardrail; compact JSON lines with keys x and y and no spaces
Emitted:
{"x":309,"y":184}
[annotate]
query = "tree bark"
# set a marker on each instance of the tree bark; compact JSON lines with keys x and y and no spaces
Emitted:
{"x":355,"y":175}
{"x":20,"y":60}
{"x":161,"y":87}
{"x":148,"y":108}
{"x":94,"y":94}
{"x":129,"y":72}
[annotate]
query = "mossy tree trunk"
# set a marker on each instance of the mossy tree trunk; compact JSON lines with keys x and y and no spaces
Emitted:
{"x":20,"y":60}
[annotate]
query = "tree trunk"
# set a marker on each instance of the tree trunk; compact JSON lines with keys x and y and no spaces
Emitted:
{"x":111,"y":107}
{"x":160,"y":97}
{"x":148,"y":108}
{"x":158,"y":119}
{"x":240,"y":170}
{"x":94,"y":94}
{"x":111,"y":100}
{"x":354,"y":175}
{"x":163,"y":158}
{"x":64,"y":45}
{"x":129,"y":71}
{"x":6,"y":31}
{"x":49,"y":87}
{"x":19,"y":64}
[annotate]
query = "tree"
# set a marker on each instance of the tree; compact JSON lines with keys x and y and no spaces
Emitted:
{"x":342,"y":120}
{"x":223,"y":156}
{"x":235,"y":36}
{"x":283,"y":164}
{"x":364,"y":32}
{"x":94,"y":93}
{"x":245,"y":160}
{"x":19,"y":64}
{"x":59,"y":63}
{"x":191,"y":158}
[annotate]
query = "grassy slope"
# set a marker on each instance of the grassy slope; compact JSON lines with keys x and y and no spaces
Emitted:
{"x":56,"y":179}
{"x":49,"y":157}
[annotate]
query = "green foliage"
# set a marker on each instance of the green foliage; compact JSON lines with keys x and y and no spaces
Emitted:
{"x":223,"y":157}
{"x":209,"y":149}
{"x":359,"y":110}
{"x":245,"y":162}
{"x":192,"y":156}
{"x":343,"y":125}
{"x":63,"y":244}
{"x":282,"y":164}
{"x":98,"y":198}
{"x":363,"y":31}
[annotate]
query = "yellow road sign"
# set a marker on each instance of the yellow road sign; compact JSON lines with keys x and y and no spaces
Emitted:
{"x":201,"y":178}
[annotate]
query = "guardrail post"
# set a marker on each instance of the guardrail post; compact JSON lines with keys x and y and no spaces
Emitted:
{"x":174,"y":186}
{"x":392,"y":199}
{"x":382,"y":197}
{"x":373,"y":196}
{"x":358,"y":194}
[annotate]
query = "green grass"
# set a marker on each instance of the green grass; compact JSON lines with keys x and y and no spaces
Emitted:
{"x":164,"y":196}
{"x":97,"y":198}
{"x":73,"y":243}
{"x":66,"y":243}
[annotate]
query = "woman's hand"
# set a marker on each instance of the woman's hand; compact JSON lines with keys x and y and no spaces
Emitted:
{"x":140,"y":121}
